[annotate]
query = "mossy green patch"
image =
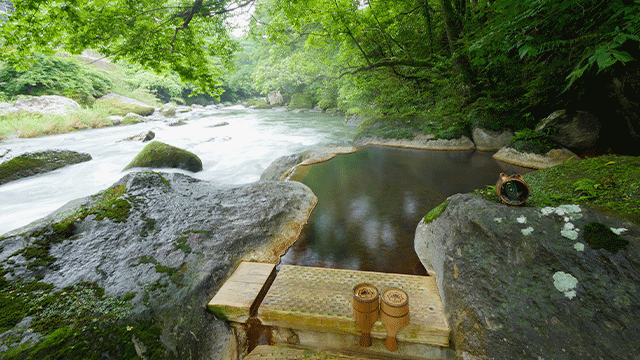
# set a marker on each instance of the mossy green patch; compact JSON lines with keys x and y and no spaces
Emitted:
{"x":301,"y":101}
{"x":599,"y":236}
{"x":13,"y":311}
{"x":30,"y":164}
{"x":129,"y":296}
{"x":436,"y":212}
{"x":530,"y":141}
{"x":77,"y":322}
{"x":37,"y":252}
{"x":181,"y":244}
{"x":111,"y":205}
{"x":609,"y":183}
{"x":19,"y":164}
{"x":118,"y":107}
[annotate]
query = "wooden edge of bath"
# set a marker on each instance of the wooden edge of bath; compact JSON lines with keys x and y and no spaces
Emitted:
{"x":239,"y":297}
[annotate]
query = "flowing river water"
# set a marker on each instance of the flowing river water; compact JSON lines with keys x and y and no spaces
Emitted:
{"x":370,"y":202}
{"x":231,"y":154}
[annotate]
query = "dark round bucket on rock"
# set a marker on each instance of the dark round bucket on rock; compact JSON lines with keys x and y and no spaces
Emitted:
{"x":512,"y":189}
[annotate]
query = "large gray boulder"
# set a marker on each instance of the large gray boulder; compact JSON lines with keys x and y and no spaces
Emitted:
{"x":275,"y":98}
{"x":523,"y":283}
{"x":127,"y":273}
{"x":577,"y":131}
{"x":47,"y":104}
{"x":160,"y":155}
{"x":29,"y":164}
{"x":489,"y":140}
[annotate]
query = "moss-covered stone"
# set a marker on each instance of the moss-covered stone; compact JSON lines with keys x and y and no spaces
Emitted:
{"x":435,"y":212}
{"x":30,"y":164}
{"x":161,"y":155}
{"x":118,"y":107}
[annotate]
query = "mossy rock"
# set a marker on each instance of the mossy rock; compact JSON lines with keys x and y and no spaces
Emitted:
{"x":301,"y":101}
{"x":258,"y":104}
{"x":30,"y":164}
{"x":161,"y":155}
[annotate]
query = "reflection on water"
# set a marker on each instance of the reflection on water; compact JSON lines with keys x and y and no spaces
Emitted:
{"x":370,"y":202}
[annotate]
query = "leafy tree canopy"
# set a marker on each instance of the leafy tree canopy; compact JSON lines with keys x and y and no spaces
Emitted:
{"x":188,"y":37}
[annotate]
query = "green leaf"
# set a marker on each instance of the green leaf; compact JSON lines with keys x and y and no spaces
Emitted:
{"x":604,"y":58}
{"x":622,"y":55}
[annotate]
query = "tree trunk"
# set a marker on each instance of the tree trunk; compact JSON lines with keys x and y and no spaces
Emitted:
{"x":453,"y":27}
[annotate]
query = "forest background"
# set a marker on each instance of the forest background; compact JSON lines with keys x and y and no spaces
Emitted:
{"x":406,"y":67}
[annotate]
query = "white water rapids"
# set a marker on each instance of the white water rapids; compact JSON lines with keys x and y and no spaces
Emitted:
{"x":232,"y":154}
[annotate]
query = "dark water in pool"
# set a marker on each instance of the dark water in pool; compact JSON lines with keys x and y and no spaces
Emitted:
{"x":370,"y":202}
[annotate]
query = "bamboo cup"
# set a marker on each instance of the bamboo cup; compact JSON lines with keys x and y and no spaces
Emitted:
{"x":394,"y":313}
{"x":366,"y":309}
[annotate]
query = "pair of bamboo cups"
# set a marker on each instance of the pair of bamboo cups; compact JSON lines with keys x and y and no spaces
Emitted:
{"x":392,"y":308}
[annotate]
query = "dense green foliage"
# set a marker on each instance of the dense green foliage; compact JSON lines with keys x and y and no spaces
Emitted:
{"x":55,"y":75}
{"x":187,"y":37}
{"x":447,"y":65}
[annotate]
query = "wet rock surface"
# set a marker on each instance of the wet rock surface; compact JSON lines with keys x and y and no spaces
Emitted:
{"x":30,"y":164}
{"x":523,"y":283}
{"x":164,"y":242}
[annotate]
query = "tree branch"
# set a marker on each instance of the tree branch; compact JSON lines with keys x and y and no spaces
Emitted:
{"x":389,"y":63}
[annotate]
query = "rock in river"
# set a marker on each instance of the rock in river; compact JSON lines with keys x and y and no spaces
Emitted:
{"x":524,"y":283}
{"x":161,"y":155}
{"x":127,"y":273}
{"x":30,"y":164}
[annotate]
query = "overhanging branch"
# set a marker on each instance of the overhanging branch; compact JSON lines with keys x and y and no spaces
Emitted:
{"x":388,"y":63}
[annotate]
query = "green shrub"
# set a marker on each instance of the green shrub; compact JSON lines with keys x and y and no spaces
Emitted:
{"x":52,"y":75}
{"x":530,"y":141}
{"x":301,"y":101}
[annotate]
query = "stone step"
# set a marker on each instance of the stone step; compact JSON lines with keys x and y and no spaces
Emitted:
{"x":311,"y":307}
{"x":239,"y":297}
{"x":279,"y":353}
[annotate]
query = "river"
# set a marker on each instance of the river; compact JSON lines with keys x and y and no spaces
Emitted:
{"x":370,"y":202}
{"x":231,"y":154}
